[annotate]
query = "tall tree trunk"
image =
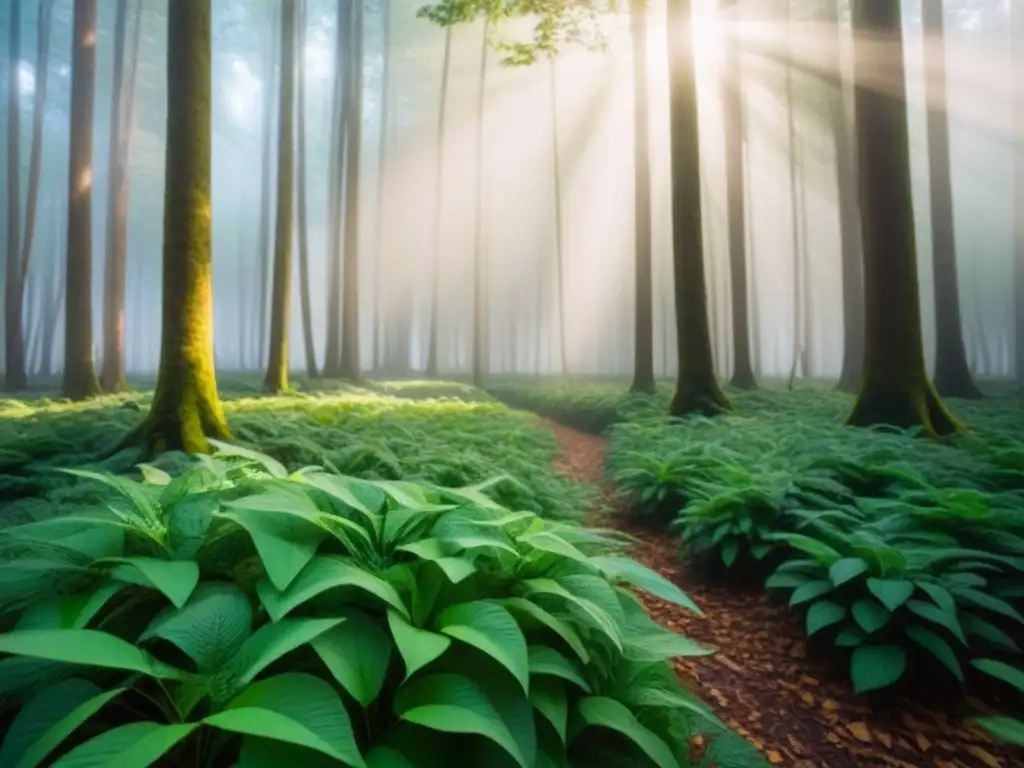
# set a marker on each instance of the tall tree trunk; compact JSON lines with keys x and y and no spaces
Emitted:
{"x":643,"y":343}
{"x":1017,"y":66}
{"x":435,"y":292}
{"x":79,"y":374}
{"x":793,"y":202}
{"x":122,"y":111}
{"x":350,"y":359}
{"x":303,"y":223}
{"x":186,"y":410}
{"x":481,"y":326}
{"x":559,"y":235}
{"x":268,"y":100}
{"x":697,"y":389}
{"x":849,"y":215}
{"x":895,"y":389}
{"x":382,"y":157}
{"x":952,"y":376}
{"x":15,"y":377}
{"x":732,"y":99}
{"x":277,"y":363}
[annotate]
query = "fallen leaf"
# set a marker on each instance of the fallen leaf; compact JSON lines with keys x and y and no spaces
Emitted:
{"x":860,"y":731}
{"x":986,"y":757}
{"x":830,"y":704}
{"x":885,"y":738}
{"x":798,"y":651}
{"x":922,"y":742}
{"x":774,"y":757}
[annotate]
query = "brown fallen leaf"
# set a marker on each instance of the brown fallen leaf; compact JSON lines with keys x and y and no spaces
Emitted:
{"x":986,"y":757}
{"x":860,"y":731}
{"x":798,"y":746}
{"x":885,"y":738}
{"x":775,"y":757}
{"x":922,"y":742}
{"x":830,"y":704}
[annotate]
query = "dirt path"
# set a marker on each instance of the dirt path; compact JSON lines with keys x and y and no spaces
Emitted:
{"x":795,"y":708}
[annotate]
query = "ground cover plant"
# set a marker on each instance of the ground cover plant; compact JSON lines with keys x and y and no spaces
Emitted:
{"x":238,"y":613}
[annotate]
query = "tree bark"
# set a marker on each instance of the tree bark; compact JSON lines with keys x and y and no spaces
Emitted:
{"x":481,"y":328}
{"x":186,"y":410}
{"x":697,"y":389}
{"x":350,"y":359}
{"x":382,"y":157}
{"x":303,"y":223}
{"x":1017,"y":66}
{"x":79,"y":373}
{"x":563,"y":356}
{"x":277,"y":363}
{"x":15,"y":377}
{"x":266,"y":191}
{"x":952,"y":376}
{"x":895,"y":390}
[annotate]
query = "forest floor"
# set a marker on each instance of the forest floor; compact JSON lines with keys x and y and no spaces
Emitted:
{"x":763,"y":682}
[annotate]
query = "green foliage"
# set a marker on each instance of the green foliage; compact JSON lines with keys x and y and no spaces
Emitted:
{"x":240,"y":612}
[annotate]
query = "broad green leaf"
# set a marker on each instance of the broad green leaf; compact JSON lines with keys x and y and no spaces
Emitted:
{"x":730,"y":551}
{"x":601,"y":618}
{"x":455,"y":704}
{"x":136,"y":745}
{"x":935,"y":645}
{"x":48,"y":718}
{"x":937,"y":615}
{"x":547,"y":694}
{"x":876,"y":666}
{"x":153,"y":475}
{"x":891,"y":593}
{"x":788,"y":580}
{"x":846,"y":569}
{"x":490,"y":628}
{"x":810,"y":591}
{"x":210,"y":628}
{"x":457,"y":569}
{"x":548,"y":661}
{"x":357,"y":653}
{"x":262,"y":752}
{"x":318,"y":576}
{"x":418,"y":647}
{"x":285,"y":543}
{"x":273,"y":467}
{"x":1008,"y":729}
{"x":1001,"y":671}
{"x":84,"y":646}
{"x":984,"y":600}
{"x":528,"y":611}
{"x":608,"y":713}
{"x":68,"y":611}
{"x":870,"y":614}
{"x":644,"y":578}
{"x":174,"y":578}
{"x":272,"y":641}
{"x":546,"y":541}
{"x":341,"y":489}
{"x":387,"y":757}
{"x":979,"y":627}
{"x":850,"y":637}
{"x":819,"y":550}
{"x":940,"y":595}
{"x":823,"y":613}
{"x":295,"y":708}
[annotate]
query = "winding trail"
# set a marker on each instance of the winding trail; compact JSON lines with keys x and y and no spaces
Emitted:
{"x":793,"y":706}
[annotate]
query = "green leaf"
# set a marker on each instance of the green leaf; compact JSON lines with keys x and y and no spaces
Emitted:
{"x":819,"y":550}
{"x":891,"y":593}
{"x":210,"y":628}
{"x":809,"y":591}
{"x":546,"y":541}
{"x":153,"y":475}
{"x":937,"y":615}
{"x":984,"y":600}
{"x":730,"y":551}
{"x":784,"y":580}
{"x":608,"y":713}
{"x":870,"y":615}
{"x":935,"y":645}
{"x":850,"y":637}
{"x":940,"y":595}
{"x":979,"y":627}
{"x":548,"y":661}
{"x":84,"y":646}
{"x":547,"y":695}
{"x":68,"y":611}
{"x":272,"y":641}
{"x":642,"y":577}
{"x":262,"y":752}
{"x":876,"y":666}
{"x":455,"y":704}
{"x":529,"y":612}
{"x":418,"y":647}
{"x":136,"y":745}
{"x":48,"y":718}
{"x":273,"y":467}
{"x":823,"y":613}
{"x":174,"y":578}
{"x":457,"y":569}
{"x":600,"y":617}
{"x":285,"y":543}
{"x":357,"y":653}
{"x":1001,"y":671}
{"x":1009,"y":729}
{"x":846,"y":569}
{"x":295,"y":708}
{"x":320,"y":575}
{"x":490,"y":628}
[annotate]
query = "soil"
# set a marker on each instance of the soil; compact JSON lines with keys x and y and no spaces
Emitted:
{"x":764,"y":682}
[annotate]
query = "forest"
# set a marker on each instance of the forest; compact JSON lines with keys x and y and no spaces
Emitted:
{"x":545,"y":383}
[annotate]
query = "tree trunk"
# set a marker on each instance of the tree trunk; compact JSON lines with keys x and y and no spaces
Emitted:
{"x":794,"y":206}
{"x":186,"y":410}
{"x":895,"y":389}
{"x":15,"y":377}
{"x":277,"y":364}
{"x":350,"y":361}
{"x":435,"y":293}
{"x":559,"y":236}
{"x":266,"y":190}
{"x":1017,"y":66}
{"x":303,"y":223}
{"x":952,"y":376}
{"x":382,"y":157}
{"x":79,"y":374}
{"x":481,"y":327}
{"x":732,"y":99}
{"x":696,"y":388}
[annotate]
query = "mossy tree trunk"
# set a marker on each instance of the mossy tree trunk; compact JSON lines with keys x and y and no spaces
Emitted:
{"x":952,"y":376}
{"x":895,"y":389}
{"x":303,"y":223}
{"x":186,"y":410}
{"x":79,"y":373}
{"x":697,"y":389}
{"x":350,"y":357}
{"x":732,"y":99}
{"x":643,"y":333}
{"x":481,"y":326}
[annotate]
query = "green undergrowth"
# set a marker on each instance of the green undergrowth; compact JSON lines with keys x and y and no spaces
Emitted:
{"x":448,"y":434}
{"x":242,"y":614}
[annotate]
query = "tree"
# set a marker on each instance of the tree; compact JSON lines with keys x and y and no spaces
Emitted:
{"x":643,"y":343}
{"x":79,"y":374}
{"x":350,"y":361}
{"x":481,"y":327}
{"x":563,"y":353}
{"x":303,"y":223}
{"x":1017,"y":46}
{"x":186,"y":410}
{"x":382,"y":167}
{"x":277,"y":360}
{"x":732,"y":99}
{"x":895,"y":388}
{"x":697,"y":390}
{"x":267,"y":101}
